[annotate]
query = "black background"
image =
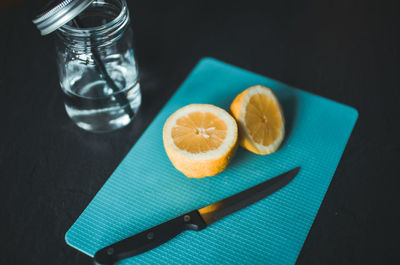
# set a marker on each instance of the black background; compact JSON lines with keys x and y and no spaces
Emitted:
{"x":346,"y":50}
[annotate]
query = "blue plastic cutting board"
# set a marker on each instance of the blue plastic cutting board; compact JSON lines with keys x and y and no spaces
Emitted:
{"x":146,"y":190}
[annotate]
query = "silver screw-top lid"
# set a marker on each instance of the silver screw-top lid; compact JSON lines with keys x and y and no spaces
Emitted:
{"x":59,"y":14}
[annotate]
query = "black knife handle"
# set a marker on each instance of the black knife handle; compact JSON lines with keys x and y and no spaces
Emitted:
{"x":149,"y":239}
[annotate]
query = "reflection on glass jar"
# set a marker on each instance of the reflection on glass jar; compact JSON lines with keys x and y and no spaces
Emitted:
{"x":97,"y":68}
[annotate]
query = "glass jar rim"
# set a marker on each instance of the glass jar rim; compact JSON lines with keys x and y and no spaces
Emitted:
{"x":115,"y":23}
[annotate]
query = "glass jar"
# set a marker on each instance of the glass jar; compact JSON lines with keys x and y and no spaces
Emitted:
{"x":97,"y":68}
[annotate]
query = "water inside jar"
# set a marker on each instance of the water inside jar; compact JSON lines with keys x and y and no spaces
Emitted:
{"x":100,"y":98}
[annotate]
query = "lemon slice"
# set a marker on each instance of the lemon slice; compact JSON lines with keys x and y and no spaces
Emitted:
{"x":200,"y":139}
{"x":260,"y":120}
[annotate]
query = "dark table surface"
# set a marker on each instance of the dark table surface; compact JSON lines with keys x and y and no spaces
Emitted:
{"x":346,"y":50}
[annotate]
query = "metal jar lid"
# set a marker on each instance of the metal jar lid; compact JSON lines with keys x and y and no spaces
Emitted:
{"x":59,"y":14}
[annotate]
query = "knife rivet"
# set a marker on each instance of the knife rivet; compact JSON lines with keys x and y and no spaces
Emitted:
{"x":150,"y":235}
{"x":186,"y":218}
{"x":110,"y":251}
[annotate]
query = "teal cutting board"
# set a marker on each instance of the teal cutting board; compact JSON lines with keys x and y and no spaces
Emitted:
{"x":146,"y":190}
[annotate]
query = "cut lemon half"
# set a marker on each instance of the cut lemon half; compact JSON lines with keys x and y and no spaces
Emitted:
{"x":200,"y":139}
{"x":260,"y":120}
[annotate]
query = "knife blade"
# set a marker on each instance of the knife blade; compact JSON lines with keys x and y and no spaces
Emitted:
{"x":195,"y":220}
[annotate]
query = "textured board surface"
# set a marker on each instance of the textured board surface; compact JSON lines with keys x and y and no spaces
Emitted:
{"x":146,"y":190}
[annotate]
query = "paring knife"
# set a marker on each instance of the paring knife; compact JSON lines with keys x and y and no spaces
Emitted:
{"x":195,"y":220}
